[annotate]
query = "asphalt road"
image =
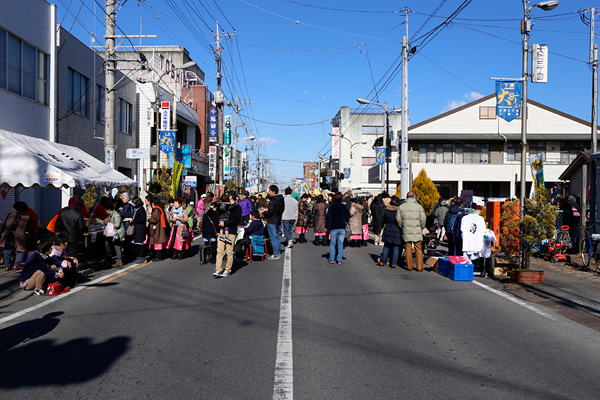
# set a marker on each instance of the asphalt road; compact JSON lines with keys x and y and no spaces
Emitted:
{"x":359,"y":331}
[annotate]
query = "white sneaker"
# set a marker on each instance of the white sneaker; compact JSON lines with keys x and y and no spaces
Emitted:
{"x":290,"y":244}
{"x":225,"y":274}
{"x":38,"y":292}
{"x":217,"y":274}
{"x":274,"y":257}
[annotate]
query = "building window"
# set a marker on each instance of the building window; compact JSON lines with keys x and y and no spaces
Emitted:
{"x":513,"y":151}
{"x":125,"y":117}
{"x":569,"y":150}
{"x":14,"y":64}
{"x":372,"y":130}
{"x":537,"y":147}
{"x":438,"y":153}
{"x":23,"y":69}
{"x":2,"y":59}
{"x":472,"y":153}
{"x":369,"y":161}
{"x":78,"y":101}
{"x":486,"y":112}
{"x":99,"y":104}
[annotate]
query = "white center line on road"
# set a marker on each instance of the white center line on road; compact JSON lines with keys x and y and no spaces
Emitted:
{"x":518,"y":301}
{"x":284,"y":362}
{"x":62,"y":296}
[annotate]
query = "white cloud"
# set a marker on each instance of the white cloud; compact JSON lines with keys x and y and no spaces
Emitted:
{"x":266,"y":141}
{"x":466,"y":98}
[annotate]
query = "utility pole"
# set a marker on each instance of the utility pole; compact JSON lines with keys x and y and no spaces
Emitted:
{"x":236,"y":110}
{"x":594,"y":146}
{"x":404,"y":184}
{"x":220,"y":102}
{"x":109,"y":97}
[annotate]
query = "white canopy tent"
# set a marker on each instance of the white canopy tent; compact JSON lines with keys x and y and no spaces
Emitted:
{"x":27,"y":161}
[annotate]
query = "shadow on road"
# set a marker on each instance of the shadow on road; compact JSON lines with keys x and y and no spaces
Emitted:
{"x":32,"y":362}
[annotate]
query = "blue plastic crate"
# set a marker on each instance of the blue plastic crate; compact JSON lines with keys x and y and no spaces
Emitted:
{"x":459,"y":272}
{"x":443,"y":266}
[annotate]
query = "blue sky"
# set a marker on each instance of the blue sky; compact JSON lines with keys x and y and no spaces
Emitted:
{"x":299,"y":61}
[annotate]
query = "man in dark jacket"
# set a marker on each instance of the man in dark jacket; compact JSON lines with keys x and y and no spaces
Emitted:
{"x":231,"y":223}
{"x":18,"y":228}
{"x":70,"y":224}
{"x":455,"y":209}
{"x":273,"y":216}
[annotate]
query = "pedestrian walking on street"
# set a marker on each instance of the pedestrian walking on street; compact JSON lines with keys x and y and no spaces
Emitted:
{"x":273,"y":214}
{"x":377,"y":211}
{"x":411,"y":219}
{"x":70,"y":223}
{"x":289,"y":216}
{"x":16,"y":232}
{"x":320,"y":215}
{"x":231,"y":224}
{"x":179,"y":240}
{"x":138,"y":239}
{"x":157,"y":229}
{"x":337,"y":217}
{"x":391,"y":235}
{"x":356,"y":217}
{"x":303,"y":217}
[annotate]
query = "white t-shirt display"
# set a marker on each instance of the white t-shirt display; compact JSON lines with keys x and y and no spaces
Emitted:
{"x":472,"y":228}
{"x":489,"y":238}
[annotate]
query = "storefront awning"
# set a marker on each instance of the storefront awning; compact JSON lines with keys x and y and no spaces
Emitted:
{"x":32,"y":162}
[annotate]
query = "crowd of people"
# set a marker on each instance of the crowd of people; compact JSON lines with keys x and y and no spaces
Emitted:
{"x":143,"y":230}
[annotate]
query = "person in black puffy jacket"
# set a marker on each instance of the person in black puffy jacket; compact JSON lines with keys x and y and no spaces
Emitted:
{"x":71,"y":224}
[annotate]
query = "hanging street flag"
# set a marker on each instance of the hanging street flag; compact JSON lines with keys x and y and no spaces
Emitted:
{"x":167,"y":141}
{"x":227,"y":130}
{"x":508,"y":99}
{"x":380,"y":155}
{"x":212,"y":127}
{"x":335,"y":143}
{"x":175,"y":177}
{"x":537,"y":169}
{"x":346,"y":173}
{"x":165,"y":115}
{"x":539,"y":63}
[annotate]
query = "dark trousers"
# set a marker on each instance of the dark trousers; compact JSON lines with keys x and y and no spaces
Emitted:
{"x":72,"y":249}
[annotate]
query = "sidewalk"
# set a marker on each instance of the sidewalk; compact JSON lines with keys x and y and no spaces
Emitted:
{"x":566,"y":285}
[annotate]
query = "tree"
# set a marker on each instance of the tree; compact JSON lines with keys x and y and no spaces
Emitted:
{"x":89,"y":197}
{"x":161,"y":186}
{"x":538,"y":223}
{"x":426,"y":190}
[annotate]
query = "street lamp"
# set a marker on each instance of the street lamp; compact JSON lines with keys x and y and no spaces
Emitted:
{"x":386,"y":144}
{"x":525,"y":29}
{"x":157,"y":105}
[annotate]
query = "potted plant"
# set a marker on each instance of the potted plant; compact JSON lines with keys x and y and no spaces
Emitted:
{"x":537,"y":225}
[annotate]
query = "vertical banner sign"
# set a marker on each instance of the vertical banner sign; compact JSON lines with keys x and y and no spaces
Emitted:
{"x":346,"y":173}
{"x":176,"y":155}
{"x":508,"y":99}
{"x":212,"y":162}
{"x":233,"y":172}
{"x":187,"y":155}
{"x":335,"y":143}
{"x":212,"y":125}
{"x":165,"y":115}
{"x":175,"y":176}
{"x":226,"y":159}
{"x":539,"y":63}
{"x":537,"y":169}
{"x":380,"y":155}
{"x":167,"y":141}
{"x":227,"y":130}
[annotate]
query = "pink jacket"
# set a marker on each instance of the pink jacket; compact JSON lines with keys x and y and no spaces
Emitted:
{"x":200,"y":207}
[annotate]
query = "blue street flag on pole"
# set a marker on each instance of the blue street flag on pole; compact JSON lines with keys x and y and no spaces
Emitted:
{"x":380,"y":155}
{"x":346,"y":173}
{"x":167,"y":141}
{"x":508,"y":99}
{"x":212,"y":128}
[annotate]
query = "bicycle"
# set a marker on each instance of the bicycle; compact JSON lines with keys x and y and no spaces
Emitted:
{"x":591,"y":249}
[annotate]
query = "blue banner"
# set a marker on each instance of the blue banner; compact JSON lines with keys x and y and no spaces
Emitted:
{"x":508,"y":99}
{"x":187,"y":155}
{"x":233,"y":172}
{"x":167,"y":141}
{"x":346,"y":173}
{"x":212,"y":126}
{"x":176,"y":155}
{"x":380,"y":155}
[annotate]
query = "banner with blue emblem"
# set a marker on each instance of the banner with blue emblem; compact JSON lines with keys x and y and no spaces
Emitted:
{"x":380,"y":155}
{"x":212,"y":127}
{"x":508,"y":99}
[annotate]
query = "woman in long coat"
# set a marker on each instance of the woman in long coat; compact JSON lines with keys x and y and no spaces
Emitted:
{"x":139,"y":235}
{"x":320,"y":213}
{"x":157,"y":229}
{"x":392,"y":234}
{"x":302,"y":223}
{"x":178,"y":218}
{"x":356,"y":212}
{"x":377,"y":211}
